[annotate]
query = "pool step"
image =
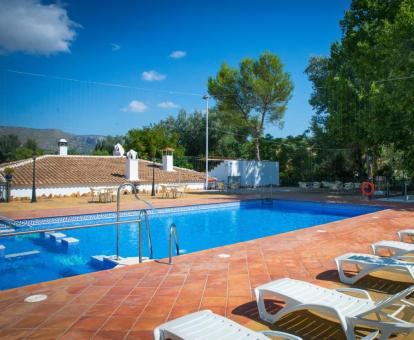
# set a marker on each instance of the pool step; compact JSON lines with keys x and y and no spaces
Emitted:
{"x":7,"y":230}
{"x":108,"y":262}
{"x":60,"y":241}
{"x":129,"y":261}
{"x":23,"y":254}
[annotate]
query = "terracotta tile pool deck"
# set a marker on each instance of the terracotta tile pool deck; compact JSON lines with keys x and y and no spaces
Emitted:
{"x":127,"y":303}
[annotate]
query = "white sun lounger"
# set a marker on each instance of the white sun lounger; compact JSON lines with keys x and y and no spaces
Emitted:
{"x":406,"y":232}
{"x":208,"y":326}
{"x":367,"y":263}
{"x":396,"y":248}
{"x":350,"y":310}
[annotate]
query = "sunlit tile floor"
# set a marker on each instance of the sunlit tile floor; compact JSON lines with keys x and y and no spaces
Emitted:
{"x":128,"y":303}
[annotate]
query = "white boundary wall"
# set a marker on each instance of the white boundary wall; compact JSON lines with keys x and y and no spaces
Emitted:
{"x":252,"y":173}
{"x":83,"y":190}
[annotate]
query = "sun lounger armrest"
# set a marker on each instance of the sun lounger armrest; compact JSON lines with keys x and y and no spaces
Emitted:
{"x":281,"y":334}
{"x":403,"y":257}
{"x":371,"y":336}
{"x":355,"y":290}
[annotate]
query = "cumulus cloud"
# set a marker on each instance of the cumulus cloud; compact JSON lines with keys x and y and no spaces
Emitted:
{"x":178,"y":54}
{"x":115,"y":47}
{"x":135,"y":106}
{"x":29,"y":26}
{"x":168,"y":105}
{"x":152,"y":76}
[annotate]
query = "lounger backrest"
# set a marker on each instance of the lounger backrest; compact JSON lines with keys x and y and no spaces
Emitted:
{"x":391,"y":300}
{"x":374,"y":259}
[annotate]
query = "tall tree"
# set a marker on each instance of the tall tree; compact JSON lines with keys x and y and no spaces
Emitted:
{"x":254,"y":94}
{"x":8,"y":147}
{"x":363,"y":90}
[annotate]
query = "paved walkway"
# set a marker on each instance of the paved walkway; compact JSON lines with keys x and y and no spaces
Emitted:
{"x":128,"y":303}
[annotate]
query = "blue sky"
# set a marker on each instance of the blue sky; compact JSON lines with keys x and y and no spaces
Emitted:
{"x":117,"y":41}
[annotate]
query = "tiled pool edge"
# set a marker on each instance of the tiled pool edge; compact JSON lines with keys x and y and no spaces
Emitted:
{"x":246,"y":262}
{"x":164,"y":261}
{"x":185,"y":208}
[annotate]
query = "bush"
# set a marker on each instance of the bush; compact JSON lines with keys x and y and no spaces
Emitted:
{"x":9,"y":171}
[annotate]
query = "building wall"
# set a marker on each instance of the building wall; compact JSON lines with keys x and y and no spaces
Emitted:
{"x":82,"y":189}
{"x":252,"y":173}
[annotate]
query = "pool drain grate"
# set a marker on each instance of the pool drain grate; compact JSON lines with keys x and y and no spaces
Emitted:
{"x":36,"y":298}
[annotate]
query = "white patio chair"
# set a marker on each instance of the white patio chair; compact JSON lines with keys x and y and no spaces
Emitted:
{"x":326,"y":184}
{"x":316,"y":185}
{"x":94,"y":195}
{"x":337,"y":186}
{"x":348,"y":186}
{"x":350,"y":310}
{"x":395,"y":248}
{"x":366,"y":263}
{"x":179,"y":191}
{"x":303,"y":185}
{"x":406,"y":232}
{"x":208,"y":326}
{"x":165,"y":191}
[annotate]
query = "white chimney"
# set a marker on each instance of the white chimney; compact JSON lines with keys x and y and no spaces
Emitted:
{"x":167,"y":159}
{"x":132,"y":166}
{"x":118,"y":150}
{"x":63,"y":147}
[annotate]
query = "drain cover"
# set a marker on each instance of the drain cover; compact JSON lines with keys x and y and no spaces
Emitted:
{"x":35,"y":298}
{"x":223,"y":256}
{"x":321,"y":231}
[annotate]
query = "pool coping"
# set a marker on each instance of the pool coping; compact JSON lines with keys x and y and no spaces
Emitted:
{"x":195,"y":253}
{"x":161,"y":260}
{"x":195,"y":281}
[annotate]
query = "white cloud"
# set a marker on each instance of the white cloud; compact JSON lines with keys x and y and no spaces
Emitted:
{"x":152,"y":76}
{"x":115,"y":47}
{"x":168,"y":105}
{"x":178,"y":54}
{"x":135,"y":106}
{"x":31,"y":27}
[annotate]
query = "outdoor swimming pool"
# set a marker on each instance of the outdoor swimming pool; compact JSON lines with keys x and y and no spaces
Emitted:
{"x":199,"y":227}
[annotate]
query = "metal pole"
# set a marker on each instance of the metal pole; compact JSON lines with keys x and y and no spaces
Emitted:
{"x":153,"y":178}
{"x":118,"y":202}
{"x":34,"y":200}
{"x":140,"y":240}
{"x":170,"y":246}
{"x":148,"y":233}
{"x":206,"y":97}
{"x":173,"y":229}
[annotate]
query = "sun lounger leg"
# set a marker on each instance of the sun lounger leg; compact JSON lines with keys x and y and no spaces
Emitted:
{"x":347,"y":279}
{"x":264,"y":315}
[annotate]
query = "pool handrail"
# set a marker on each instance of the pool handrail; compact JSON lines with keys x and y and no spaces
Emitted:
{"x":118,"y":207}
{"x":55,"y":229}
{"x":147,"y":227}
{"x":173,"y":232}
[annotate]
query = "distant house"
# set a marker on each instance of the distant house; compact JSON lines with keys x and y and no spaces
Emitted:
{"x":63,"y":175}
{"x":247,"y":173}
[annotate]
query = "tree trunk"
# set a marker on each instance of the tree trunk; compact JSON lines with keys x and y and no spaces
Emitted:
{"x":257,"y":147}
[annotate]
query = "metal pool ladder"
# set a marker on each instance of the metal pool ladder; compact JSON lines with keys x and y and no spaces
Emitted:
{"x":140,"y":219}
{"x":173,"y":232}
{"x":147,"y":227}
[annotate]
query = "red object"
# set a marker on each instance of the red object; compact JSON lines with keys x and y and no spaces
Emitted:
{"x":367,"y":188}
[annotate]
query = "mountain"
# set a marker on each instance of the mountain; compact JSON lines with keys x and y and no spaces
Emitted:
{"x":47,"y":139}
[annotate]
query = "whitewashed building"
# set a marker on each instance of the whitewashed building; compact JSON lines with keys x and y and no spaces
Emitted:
{"x":69,"y":175}
{"x":247,"y":173}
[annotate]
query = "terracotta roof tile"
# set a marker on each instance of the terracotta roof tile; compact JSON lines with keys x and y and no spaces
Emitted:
{"x":88,"y":170}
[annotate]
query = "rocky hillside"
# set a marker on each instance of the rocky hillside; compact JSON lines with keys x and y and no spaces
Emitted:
{"x":47,"y":139}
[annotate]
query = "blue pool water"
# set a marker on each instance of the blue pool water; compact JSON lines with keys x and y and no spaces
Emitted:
{"x":199,"y":227}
